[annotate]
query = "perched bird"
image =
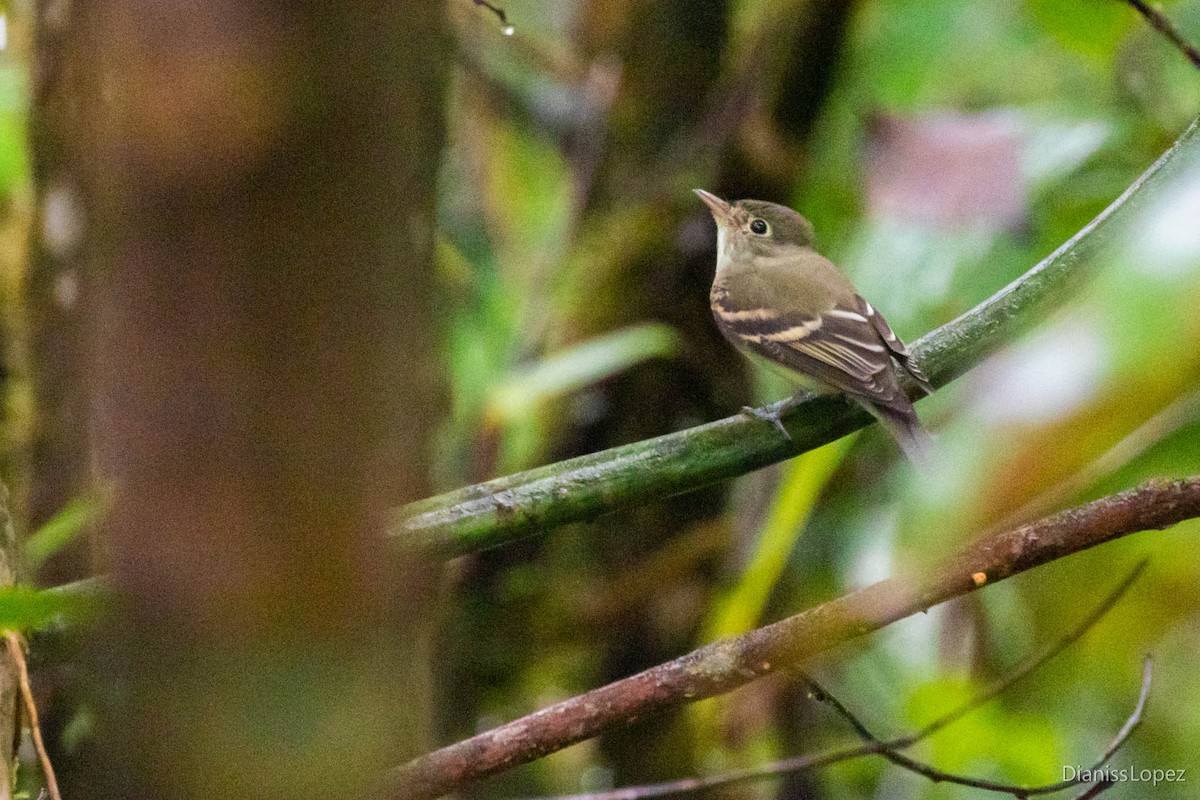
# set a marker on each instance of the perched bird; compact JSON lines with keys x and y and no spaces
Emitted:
{"x":774,"y":296}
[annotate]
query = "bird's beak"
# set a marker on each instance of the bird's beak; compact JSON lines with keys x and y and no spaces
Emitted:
{"x":722,"y":212}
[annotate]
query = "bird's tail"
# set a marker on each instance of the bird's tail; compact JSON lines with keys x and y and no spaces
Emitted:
{"x":905,"y":427}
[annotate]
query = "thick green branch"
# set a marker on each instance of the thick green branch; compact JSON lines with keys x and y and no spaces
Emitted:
{"x":505,"y":509}
{"x":725,"y":665}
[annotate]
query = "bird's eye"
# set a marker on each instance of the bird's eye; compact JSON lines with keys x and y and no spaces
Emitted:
{"x":759,"y":226}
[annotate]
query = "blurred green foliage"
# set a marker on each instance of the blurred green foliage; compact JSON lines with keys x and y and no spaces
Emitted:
{"x":24,"y":608}
{"x":1033,"y":116}
{"x":564,"y":217}
{"x":14,"y":166}
{"x":60,"y":530}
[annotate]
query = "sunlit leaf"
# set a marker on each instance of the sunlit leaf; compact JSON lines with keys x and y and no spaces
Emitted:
{"x":1086,"y":26}
{"x":27,"y":608}
{"x":62,"y":529}
{"x":741,"y":608}
{"x":991,"y":741}
{"x":577,"y":367}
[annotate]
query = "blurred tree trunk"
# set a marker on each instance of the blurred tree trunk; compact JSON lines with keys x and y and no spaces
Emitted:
{"x":54,"y":465}
{"x":257,"y":189}
{"x":58,"y":462}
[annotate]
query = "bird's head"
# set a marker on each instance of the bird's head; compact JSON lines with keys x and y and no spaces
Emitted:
{"x":756,"y":228}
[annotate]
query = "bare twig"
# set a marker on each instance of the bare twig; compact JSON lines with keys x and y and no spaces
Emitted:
{"x":495,"y":9}
{"x":837,"y":755}
{"x":1030,"y":666}
{"x":938,"y":776}
{"x":1161,"y":23}
{"x":1097,"y":789}
{"x":725,"y":665}
{"x":16,"y":651}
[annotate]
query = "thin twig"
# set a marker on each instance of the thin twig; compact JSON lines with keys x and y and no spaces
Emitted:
{"x":725,"y":665}
{"x":1030,"y":666}
{"x":1161,"y":23}
{"x":495,"y":9}
{"x":1098,"y":788}
{"x":837,"y":755}
{"x":939,"y":776}
{"x":16,"y":650}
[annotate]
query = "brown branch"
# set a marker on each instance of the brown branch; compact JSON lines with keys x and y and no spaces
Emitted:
{"x":725,"y":665}
{"x":1021,"y":792}
{"x":1161,"y":23}
{"x":16,"y":651}
{"x":837,"y":755}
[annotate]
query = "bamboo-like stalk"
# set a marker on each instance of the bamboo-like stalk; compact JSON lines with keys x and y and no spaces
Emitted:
{"x":506,"y":509}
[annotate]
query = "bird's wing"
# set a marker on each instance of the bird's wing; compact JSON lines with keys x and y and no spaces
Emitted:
{"x":839,"y":346}
{"x":897,"y":348}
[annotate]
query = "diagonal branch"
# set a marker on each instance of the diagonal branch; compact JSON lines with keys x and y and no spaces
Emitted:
{"x":1161,"y":23}
{"x":725,"y":665}
{"x":846,"y":753}
{"x":506,"y":509}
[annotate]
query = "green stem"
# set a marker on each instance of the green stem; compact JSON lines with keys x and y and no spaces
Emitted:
{"x":506,"y":509}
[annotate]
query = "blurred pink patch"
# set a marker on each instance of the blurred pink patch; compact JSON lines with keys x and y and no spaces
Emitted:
{"x":947,"y":170}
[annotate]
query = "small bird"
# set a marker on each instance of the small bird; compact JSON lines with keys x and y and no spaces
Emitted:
{"x":775,"y":297}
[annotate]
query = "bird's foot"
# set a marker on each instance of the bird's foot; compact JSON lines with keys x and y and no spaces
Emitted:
{"x":772,"y":414}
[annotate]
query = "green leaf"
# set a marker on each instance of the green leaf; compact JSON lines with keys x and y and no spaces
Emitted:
{"x":61,"y":530}
{"x":14,"y":149}
{"x":805,"y":477}
{"x":24,"y":607}
{"x":993,"y":741}
{"x":576,"y":367}
{"x":1085,"y":26}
